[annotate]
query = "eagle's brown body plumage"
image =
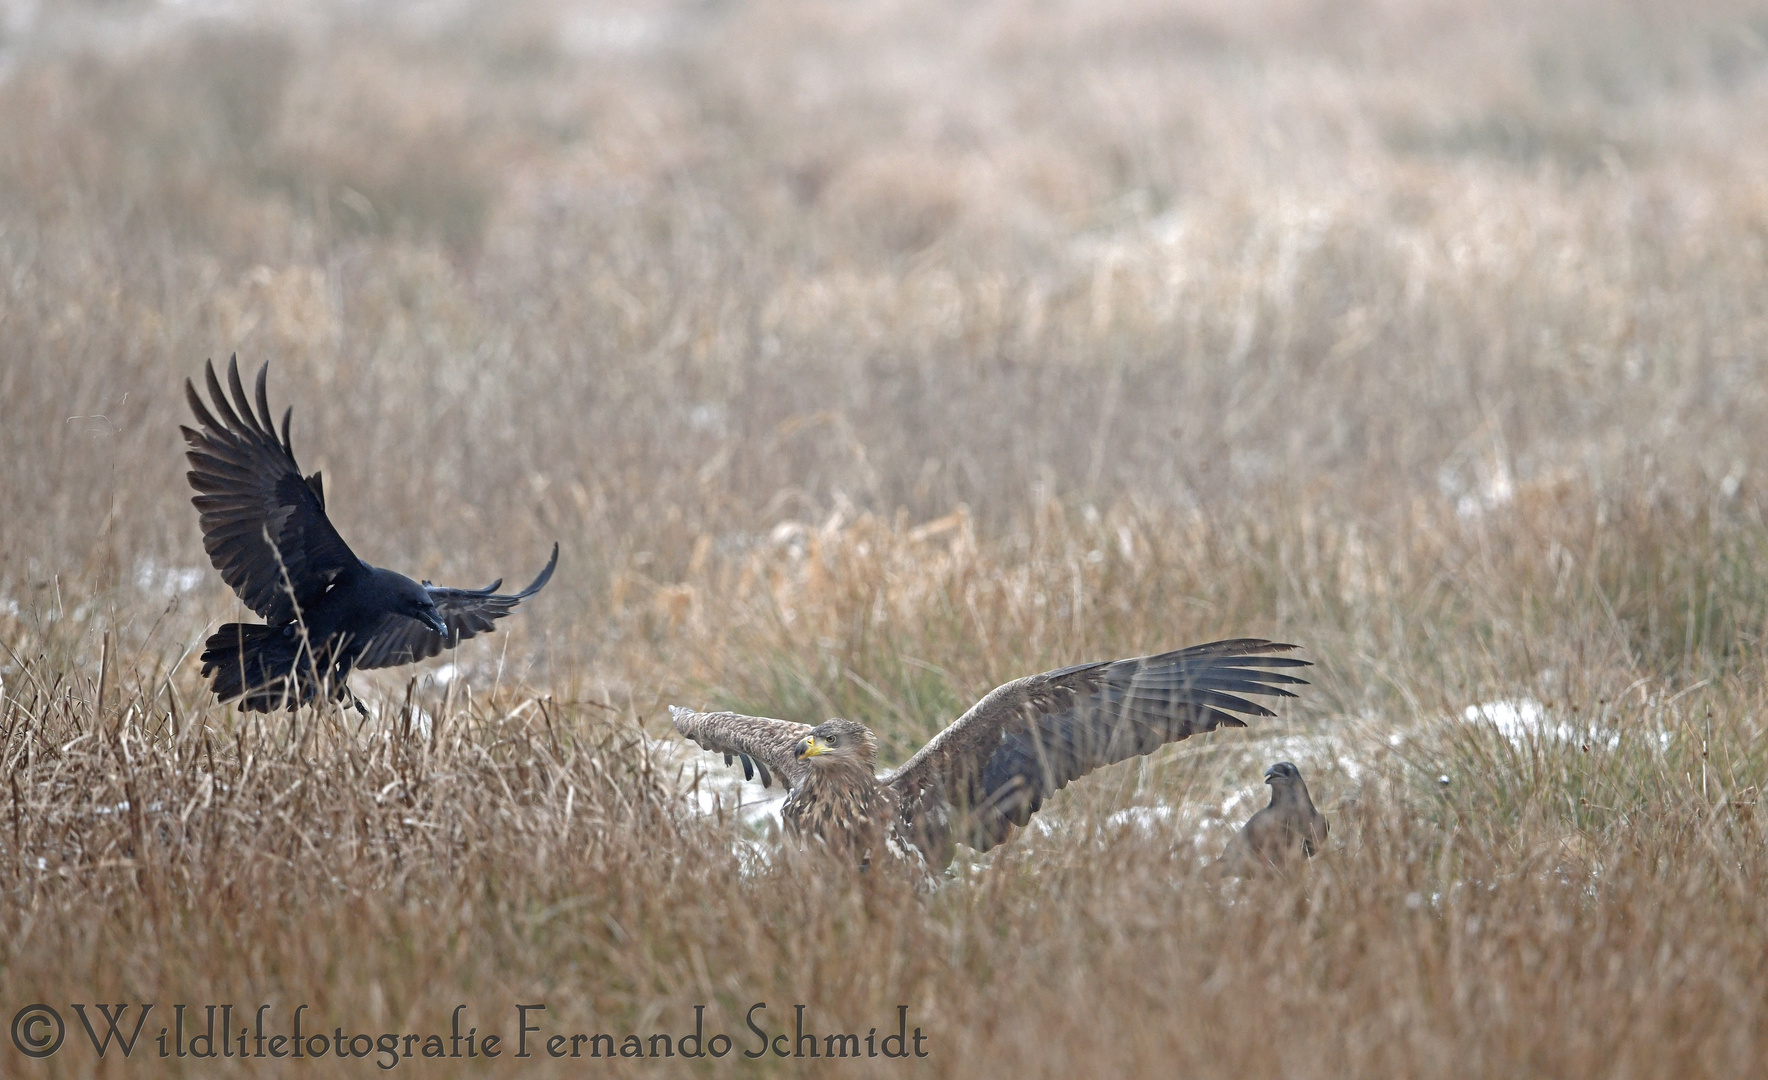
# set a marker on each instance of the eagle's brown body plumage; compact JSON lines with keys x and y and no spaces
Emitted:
{"x":997,"y":764}
{"x":845,"y":808}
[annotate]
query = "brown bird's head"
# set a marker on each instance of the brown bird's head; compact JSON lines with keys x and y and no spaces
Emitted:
{"x":1283,"y":774}
{"x":838,"y":744}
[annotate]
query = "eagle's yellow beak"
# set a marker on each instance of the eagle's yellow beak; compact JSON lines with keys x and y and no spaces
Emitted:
{"x":810,"y":746}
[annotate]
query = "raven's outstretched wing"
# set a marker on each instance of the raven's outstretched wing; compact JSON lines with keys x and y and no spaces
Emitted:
{"x":399,"y":640}
{"x":764,"y":744}
{"x":997,"y":764}
{"x":264,"y":525}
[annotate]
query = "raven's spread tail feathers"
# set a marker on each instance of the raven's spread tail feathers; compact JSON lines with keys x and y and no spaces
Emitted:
{"x":257,"y":664}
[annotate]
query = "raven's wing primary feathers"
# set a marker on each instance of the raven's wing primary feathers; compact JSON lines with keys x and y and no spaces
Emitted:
{"x":264,"y":525}
{"x":996,"y":765}
{"x":397,"y":639}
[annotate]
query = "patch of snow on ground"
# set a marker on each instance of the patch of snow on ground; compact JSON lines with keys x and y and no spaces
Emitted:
{"x":1146,"y":820}
{"x":715,"y":787}
{"x":166,"y":580}
{"x":1524,"y":718}
{"x":1231,"y":806}
{"x":421,"y":723}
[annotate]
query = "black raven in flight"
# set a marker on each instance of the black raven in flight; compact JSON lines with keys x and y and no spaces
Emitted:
{"x":325,"y":611}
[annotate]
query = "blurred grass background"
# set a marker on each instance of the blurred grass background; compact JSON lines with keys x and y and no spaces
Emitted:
{"x":865,"y":356}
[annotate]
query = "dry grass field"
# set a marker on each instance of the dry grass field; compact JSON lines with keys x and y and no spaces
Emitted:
{"x":861,"y":357}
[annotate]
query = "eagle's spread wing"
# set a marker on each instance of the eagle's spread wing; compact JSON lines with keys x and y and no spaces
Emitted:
{"x":264,"y":525}
{"x":766,"y":746}
{"x":399,"y":640}
{"x":996,"y":765}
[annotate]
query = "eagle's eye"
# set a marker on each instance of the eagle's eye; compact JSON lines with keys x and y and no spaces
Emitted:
{"x":834,"y":740}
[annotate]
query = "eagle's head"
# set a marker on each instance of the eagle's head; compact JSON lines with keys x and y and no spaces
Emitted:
{"x":838,"y":744}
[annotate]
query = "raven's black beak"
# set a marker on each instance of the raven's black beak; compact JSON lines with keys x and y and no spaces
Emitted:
{"x":433,"y":620}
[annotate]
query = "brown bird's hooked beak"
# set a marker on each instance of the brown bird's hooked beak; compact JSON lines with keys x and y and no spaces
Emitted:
{"x":810,"y":746}
{"x":1271,"y":774}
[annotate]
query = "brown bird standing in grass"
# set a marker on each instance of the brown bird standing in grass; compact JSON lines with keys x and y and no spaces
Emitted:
{"x":325,"y":611}
{"x":994,"y":767}
{"x":1289,"y":827}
